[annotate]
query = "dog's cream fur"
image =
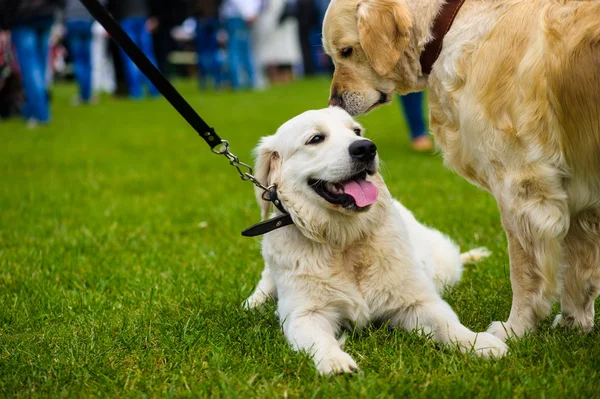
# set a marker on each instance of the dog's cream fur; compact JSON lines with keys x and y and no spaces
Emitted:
{"x":336,"y":267}
{"x":515,"y":107}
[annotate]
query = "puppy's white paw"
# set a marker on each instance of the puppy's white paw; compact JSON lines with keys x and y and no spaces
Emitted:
{"x":487,"y":345}
{"x":337,"y":363}
{"x":255,"y":300}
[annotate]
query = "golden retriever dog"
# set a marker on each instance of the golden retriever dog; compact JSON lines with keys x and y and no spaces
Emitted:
{"x":515,"y":107}
{"x":353,"y":254}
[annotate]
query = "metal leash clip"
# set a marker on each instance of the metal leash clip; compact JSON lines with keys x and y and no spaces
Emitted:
{"x":223,"y":149}
{"x":269,"y":193}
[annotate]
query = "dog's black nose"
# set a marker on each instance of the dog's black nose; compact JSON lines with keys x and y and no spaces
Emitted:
{"x":363,"y":150}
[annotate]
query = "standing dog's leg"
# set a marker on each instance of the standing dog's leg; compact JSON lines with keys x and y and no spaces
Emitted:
{"x":436,"y":317}
{"x":315,"y":331}
{"x":264,"y":290}
{"x":529,"y":304}
{"x":536,"y":219}
{"x":581,"y":272}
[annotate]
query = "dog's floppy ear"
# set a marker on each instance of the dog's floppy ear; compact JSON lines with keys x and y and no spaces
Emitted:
{"x":384,"y":31}
{"x":267,"y":172}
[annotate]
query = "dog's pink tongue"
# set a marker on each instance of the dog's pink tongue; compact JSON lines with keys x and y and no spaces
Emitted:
{"x":363,"y":192}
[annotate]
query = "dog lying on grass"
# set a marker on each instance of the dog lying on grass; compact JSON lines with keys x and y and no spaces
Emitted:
{"x":354,"y":254}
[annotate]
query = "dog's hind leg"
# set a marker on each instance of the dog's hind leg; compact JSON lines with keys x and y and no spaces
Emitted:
{"x":265,"y":289}
{"x":536,"y":219}
{"x":581,"y":272}
{"x":434,"y":316}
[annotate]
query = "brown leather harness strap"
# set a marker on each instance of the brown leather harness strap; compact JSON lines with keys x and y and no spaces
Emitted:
{"x":441,"y":26}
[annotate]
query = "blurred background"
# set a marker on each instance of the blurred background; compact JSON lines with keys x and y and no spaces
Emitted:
{"x":225,"y":44}
{"x":222,"y":45}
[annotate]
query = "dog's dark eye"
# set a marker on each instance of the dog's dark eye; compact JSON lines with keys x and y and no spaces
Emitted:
{"x":346,"y":52}
{"x":316,"y":139}
{"x":357,"y":131}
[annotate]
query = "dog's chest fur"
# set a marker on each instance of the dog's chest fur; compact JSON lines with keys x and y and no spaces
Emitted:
{"x":362,"y":279}
{"x":531,"y":117}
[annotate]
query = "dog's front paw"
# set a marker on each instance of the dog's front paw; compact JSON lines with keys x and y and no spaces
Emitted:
{"x":505,"y":330}
{"x":487,"y":345}
{"x":498,"y":329}
{"x":255,"y":300}
{"x":337,"y":363}
{"x":584,"y":325}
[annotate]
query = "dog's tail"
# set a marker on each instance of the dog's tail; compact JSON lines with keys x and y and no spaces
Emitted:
{"x":475,"y":255}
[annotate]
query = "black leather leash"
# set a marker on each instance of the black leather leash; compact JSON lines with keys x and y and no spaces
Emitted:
{"x":208,"y":134}
{"x":271,"y":224}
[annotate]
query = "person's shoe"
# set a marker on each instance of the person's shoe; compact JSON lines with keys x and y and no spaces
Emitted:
{"x":32,"y":123}
{"x":422,"y":144}
{"x":76,"y":101}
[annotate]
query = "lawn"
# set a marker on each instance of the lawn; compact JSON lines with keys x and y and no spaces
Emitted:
{"x":122,"y":267}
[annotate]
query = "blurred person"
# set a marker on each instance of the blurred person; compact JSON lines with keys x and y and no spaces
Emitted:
{"x":276,"y":41}
{"x":307,"y":15}
{"x":118,"y":63}
{"x":30,"y":22}
{"x":324,"y":61}
{"x":169,"y":14}
{"x":210,"y":63}
{"x":321,"y":6}
{"x":138,"y":19}
{"x":310,"y":14}
{"x":412,"y":105}
{"x":11,"y":90}
{"x":78,"y":22}
{"x":58,"y":55}
{"x":103,"y":71}
{"x":238,"y":17}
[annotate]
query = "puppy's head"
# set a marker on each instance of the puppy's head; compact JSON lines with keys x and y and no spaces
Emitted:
{"x":323,"y":168}
{"x":365,"y":39}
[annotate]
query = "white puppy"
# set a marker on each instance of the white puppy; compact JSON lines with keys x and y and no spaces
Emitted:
{"x":354,"y":254}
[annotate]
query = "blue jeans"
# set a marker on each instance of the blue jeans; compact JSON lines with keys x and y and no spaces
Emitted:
{"x":321,"y":9}
{"x":32,"y":44}
{"x":207,"y":48}
{"x":136,"y":29}
{"x":413,"y":109}
{"x":240,"y":53}
{"x":79,"y":35}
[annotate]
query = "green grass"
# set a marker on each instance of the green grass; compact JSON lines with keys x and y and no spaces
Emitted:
{"x":122,"y":267}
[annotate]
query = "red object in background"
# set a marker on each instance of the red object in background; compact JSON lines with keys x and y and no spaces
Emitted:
{"x":11,"y":88}
{"x":58,"y":56}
